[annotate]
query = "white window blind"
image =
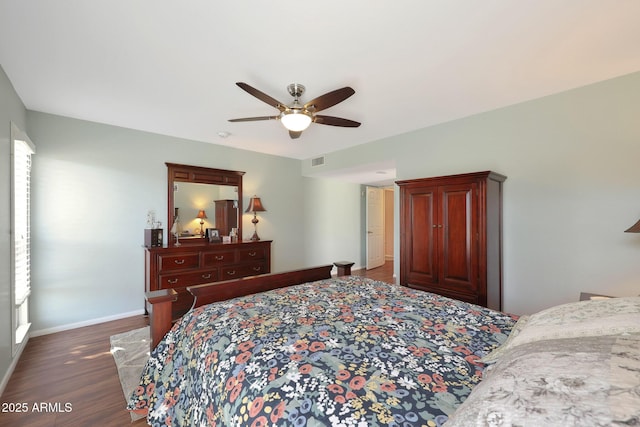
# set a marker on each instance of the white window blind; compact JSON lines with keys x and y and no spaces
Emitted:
{"x":22,"y":220}
{"x":21,"y":151}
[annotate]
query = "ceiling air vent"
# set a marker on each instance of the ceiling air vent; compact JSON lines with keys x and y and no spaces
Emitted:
{"x":318,"y":161}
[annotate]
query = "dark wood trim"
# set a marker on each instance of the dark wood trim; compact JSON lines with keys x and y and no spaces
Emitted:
{"x":221,"y":291}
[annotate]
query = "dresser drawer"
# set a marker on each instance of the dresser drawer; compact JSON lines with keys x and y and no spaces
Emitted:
{"x":252,"y":254}
{"x":233,"y":272}
{"x":198,"y":263}
{"x":182,"y":261}
{"x":182,"y":280}
{"x":218,"y":258}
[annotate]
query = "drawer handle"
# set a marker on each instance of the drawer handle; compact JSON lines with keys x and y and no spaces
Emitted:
{"x":253,"y":253}
{"x":231,"y":272}
{"x":206,"y":276}
{"x":257,"y":268}
{"x":179,"y":261}
{"x":172,"y":281}
{"x":219,"y":257}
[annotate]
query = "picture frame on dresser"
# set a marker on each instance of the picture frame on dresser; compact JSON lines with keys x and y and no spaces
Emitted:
{"x":212,"y":235}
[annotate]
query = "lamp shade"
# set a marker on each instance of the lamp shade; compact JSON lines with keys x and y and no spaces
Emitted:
{"x":255,"y":205}
{"x":201,"y":214}
{"x":635,"y":228}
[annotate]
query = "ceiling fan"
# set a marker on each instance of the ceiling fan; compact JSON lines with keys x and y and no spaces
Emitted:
{"x":297,"y":117}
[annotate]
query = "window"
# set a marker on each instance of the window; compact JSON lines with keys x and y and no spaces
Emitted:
{"x":21,"y":151}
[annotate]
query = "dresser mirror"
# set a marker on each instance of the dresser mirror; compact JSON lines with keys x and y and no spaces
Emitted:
{"x":192,"y":189}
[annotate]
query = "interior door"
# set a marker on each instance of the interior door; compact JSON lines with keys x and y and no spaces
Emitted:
{"x":375,"y":227}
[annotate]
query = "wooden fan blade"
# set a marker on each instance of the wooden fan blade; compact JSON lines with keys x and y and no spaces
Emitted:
{"x":254,"y":119}
{"x":262,"y":96}
{"x":295,"y":135}
{"x":335,"y":121}
{"x":329,"y":99}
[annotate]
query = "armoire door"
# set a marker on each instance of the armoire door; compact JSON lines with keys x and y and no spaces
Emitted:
{"x":458,"y":234}
{"x":419,"y":246}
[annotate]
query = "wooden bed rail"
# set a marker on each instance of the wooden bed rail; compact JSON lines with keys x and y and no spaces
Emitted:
{"x":220,"y":291}
{"x":160,"y":301}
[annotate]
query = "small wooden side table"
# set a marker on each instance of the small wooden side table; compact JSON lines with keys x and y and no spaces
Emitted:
{"x":344,"y":267}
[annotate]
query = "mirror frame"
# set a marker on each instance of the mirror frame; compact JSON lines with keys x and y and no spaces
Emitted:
{"x":200,"y":175}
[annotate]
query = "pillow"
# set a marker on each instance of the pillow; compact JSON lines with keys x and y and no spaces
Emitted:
{"x":590,"y":318}
{"x":582,"y":381}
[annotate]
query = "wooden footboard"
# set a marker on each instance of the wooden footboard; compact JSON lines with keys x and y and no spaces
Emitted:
{"x":160,"y":301}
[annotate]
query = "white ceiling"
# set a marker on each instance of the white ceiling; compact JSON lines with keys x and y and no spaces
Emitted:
{"x":170,"y":67}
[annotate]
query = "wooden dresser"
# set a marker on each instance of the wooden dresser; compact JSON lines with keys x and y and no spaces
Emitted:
{"x":451,"y":236}
{"x":194,"y":264}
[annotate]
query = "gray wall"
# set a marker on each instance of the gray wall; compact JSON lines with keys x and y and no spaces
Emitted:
{"x":11,"y":110}
{"x":573,"y":186}
{"x":93,"y":185}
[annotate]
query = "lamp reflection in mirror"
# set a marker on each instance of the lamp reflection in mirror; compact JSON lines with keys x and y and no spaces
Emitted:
{"x":255,"y":205}
{"x":202,"y":215}
{"x":635,"y":228}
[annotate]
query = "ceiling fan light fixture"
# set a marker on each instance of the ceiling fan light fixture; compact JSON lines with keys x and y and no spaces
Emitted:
{"x":295,"y":120}
{"x":297,"y":117}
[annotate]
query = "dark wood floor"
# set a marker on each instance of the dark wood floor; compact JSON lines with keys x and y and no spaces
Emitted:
{"x":384,"y":273}
{"x":76,"y":368}
{"x":72,"y":367}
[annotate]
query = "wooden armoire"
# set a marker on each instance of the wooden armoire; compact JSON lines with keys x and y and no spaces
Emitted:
{"x":451,"y":236}
{"x":226,"y":215}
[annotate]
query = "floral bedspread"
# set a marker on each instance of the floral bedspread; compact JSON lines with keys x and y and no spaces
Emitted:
{"x":338,"y":352}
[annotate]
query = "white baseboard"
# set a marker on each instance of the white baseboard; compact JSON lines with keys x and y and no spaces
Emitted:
{"x":85,"y":323}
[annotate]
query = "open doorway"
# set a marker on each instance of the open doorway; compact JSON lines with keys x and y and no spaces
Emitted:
{"x":379,"y":226}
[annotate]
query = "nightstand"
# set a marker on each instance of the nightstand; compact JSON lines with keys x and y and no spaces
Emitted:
{"x":344,"y":267}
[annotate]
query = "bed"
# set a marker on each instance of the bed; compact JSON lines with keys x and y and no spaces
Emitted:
{"x":332,"y":351}
{"x":351,"y":351}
